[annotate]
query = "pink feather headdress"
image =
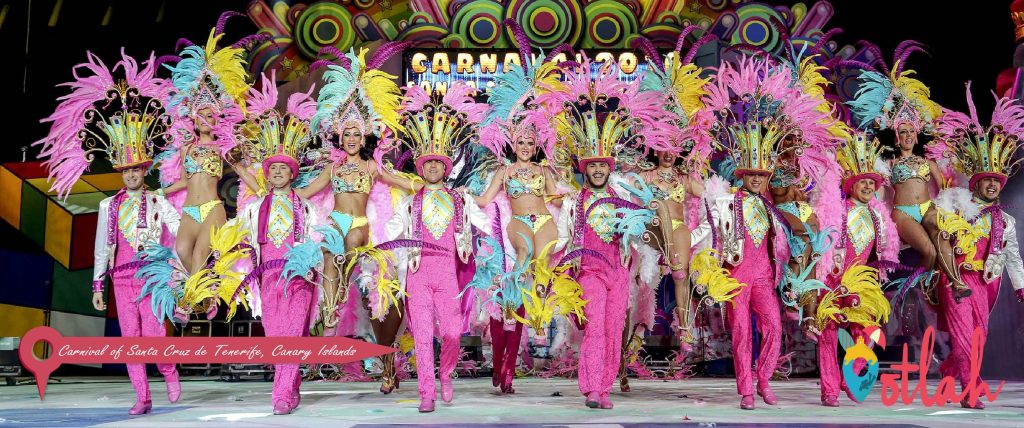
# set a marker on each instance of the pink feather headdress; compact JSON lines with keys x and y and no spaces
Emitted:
{"x":119,"y":116}
{"x":981,"y":152}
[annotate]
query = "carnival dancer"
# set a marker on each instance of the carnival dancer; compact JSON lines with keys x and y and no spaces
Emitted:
{"x":441,"y":217}
{"x":357,"y":101}
{"x":277,"y":224}
{"x":975,"y":229}
{"x":852,"y":297}
{"x":899,"y":104}
{"x":601,"y":116}
{"x":207,"y":102}
{"x":522,"y":195}
{"x":122,"y":118}
{"x":756,"y":108}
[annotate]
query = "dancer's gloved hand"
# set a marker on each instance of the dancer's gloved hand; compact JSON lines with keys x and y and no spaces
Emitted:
{"x":212,"y":312}
{"x":1020,"y":295}
{"x":810,"y":328}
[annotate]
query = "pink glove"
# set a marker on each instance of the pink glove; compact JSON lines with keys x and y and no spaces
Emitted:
{"x":1020,"y":294}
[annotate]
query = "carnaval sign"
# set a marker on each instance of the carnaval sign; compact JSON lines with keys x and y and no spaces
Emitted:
{"x":436,"y":70}
{"x":895,"y":386}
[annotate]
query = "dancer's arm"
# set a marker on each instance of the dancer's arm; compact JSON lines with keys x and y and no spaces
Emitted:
{"x":316,"y":185}
{"x":395,"y":180}
{"x":101,"y":256}
{"x":550,"y":187}
{"x":1014,"y":264}
{"x":492,"y":189}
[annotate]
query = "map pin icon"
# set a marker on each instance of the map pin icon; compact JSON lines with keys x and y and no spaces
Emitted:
{"x":39,"y":367}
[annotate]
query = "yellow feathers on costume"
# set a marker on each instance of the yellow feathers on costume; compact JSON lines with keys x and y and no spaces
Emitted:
{"x":964,"y":237}
{"x":915,"y":91}
{"x":687,"y":85}
{"x":561,"y":292}
{"x":382,"y":91}
{"x":387,"y":288}
{"x":707,"y":271}
{"x":873,"y":308}
{"x":828,"y":310}
{"x":228,"y":66}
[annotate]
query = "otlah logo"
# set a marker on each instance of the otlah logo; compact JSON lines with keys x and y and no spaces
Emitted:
{"x":860,"y":355}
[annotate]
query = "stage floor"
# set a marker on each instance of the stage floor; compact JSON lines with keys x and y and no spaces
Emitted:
{"x":703,"y":402}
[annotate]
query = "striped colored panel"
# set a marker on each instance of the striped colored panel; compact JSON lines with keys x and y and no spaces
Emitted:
{"x":27,"y":170}
{"x":57,"y":242}
{"x":33,"y":213}
{"x":82,"y":203}
{"x":10,"y":193}
{"x":79,"y":186}
{"x":27,"y":279}
{"x":15,"y":321}
{"x":72,"y":292}
{"x":105,"y":182}
{"x":83,"y":240}
{"x":78,"y":325}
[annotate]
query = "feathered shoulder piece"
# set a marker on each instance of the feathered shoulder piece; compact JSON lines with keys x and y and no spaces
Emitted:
{"x":978,"y":151}
{"x":893,"y":97}
{"x":121,"y":116}
{"x":514,"y":100}
{"x":356,"y":94}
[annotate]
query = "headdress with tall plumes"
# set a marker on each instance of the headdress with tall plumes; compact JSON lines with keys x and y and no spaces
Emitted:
{"x":356,"y":94}
{"x":120,"y":117}
{"x":894,"y":98}
{"x":678,"y":82}
{"x":270,"y":137}
{"x":981,"y":152}
{"x":209,"y":77}
{"x":434,"y":126}
{"x":515,"y":110}
{"x":600,"y":118}
{"x":857,"y":157}
{"x":756,"y":107}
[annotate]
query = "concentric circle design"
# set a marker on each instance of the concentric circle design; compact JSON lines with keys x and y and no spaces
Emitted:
{"x":324,"y":24}
{"x":480,"y":24}
{"x":547,"y":23}
{"x":608,"y":24}
{"x":755,"y":27}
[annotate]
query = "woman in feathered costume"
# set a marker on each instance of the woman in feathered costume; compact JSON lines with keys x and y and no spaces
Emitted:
{"x":520,"y":192}
{"x":122,"y":118}
{"x":681,"y":163}
{"x":435,"y":127}
{"x":977,"y":233}
{"x":208,"y":101}
{"x":597,"y":118}
{"x":896,"y":102}
{"x":280,"y":226}
{"x":357,"y":101}
{"x":756,"y":107}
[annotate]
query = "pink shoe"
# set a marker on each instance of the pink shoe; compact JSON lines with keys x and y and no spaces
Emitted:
{"x":282,"y":408}
{"x":966,"y":403}
{"x":747,"y":402}
{"x":606,"y":402}
{"x":849,"y":394}
{"x":593,"y":400}
{"x":447,"y":391}
{"x":768,"y":395}
{"x":141,"y":408}
{"x":830,"y":401}
{"x":426,"y":405}
{"x":173,"y":387}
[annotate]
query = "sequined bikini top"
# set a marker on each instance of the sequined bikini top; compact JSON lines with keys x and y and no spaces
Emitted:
{"x":910,"y":167}
{"x":203,"y":159}
{"x":678,"y":192}
{"x":524,"y":181}
{"x":361,"y":184}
